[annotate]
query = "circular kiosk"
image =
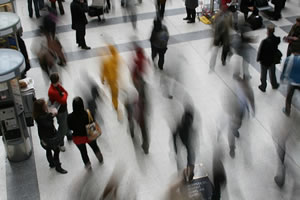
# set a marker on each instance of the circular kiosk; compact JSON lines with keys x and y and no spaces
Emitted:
{"x":16,"y":137}
{"x":9,"y":26}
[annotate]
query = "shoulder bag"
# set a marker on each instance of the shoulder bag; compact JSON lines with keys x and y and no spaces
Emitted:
{"x":92,"y":129}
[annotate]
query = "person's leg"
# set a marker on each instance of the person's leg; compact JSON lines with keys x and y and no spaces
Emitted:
{"x":53,"y":5}
{"x":154,"y":52}
{"x":93,"y":144}
{"x":58,"y":167}
{"x":29,"y":2}
{"x":144,"y":131}
{"x":213,"y":59}
{"x":263,"y":77}
{"x":50,"y":158}
{"x":36,"y":8}
{"x":108,"y":4}
{"x":77,"y":38}
{"x":225,"y":51}
{"x":188,"y":17}
{"x":161,"y":58}
{"x":41,"y":4}
{"x":288,"y":101}
{"x":81,"y":35}
{"x":162,"y":10}
{"x":83,"y":152}
{"x":246,"y":73}
{"x":61,"y":7}
{"x":62,"y":125}
{"x":193,"y":15}
{"x":246,"y":16}
{"x":272,"y":76}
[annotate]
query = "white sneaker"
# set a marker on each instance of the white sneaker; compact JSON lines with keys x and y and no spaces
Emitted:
{"x":62,"y":148}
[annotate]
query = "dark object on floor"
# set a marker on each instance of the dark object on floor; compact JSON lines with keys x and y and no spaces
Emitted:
{"x":94,"y":11}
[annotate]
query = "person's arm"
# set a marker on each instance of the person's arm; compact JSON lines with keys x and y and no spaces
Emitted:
{"x":259,"y":52}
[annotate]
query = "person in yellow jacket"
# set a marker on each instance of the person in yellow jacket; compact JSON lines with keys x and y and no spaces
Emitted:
{"x":110,"y":73}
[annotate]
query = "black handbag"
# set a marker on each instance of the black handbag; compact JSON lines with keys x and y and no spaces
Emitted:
{"x":52,"y":143}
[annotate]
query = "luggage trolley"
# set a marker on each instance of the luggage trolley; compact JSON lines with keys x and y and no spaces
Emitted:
{"x":206,"y":10}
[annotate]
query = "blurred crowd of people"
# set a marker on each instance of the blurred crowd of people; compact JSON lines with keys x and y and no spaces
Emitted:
{"x":136,"y":109}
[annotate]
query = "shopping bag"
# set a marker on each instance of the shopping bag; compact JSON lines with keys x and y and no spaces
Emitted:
{"x":93,"y":130}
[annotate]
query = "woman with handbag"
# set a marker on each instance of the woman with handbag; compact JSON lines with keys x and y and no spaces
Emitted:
{"x":48,"y":134}
{"x":80,"y":121}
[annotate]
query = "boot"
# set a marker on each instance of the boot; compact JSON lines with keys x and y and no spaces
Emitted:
{"x":100,"y":157}
{"x":59,"y":169}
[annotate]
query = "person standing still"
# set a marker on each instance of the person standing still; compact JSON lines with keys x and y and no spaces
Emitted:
{"x":60,"y":6}
{"x":58,"y":95}
{"x":159,"y":41}
{"x":266,"y":56}
{"x":36,"y":8}
{"x":79,"y":22}
{"x":191,"y":6}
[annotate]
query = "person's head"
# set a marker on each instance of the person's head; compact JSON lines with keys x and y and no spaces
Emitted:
{"x":54,"y":78}
{"x":78,"y":106}
{"x":298,"y":21}
{"x":39,"y":107}
{"x":271,"y":29}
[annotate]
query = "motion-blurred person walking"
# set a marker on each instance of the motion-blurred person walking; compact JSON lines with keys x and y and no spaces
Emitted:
{"x":221,"y":27}
{"x":266,"y":55}
{"x":77,"y":122}
{"x":185,"y":132}
{"x":79,"y":22}
{"x":142,"y":105}
{"x":58,"y":98}
{"x":293,"y":38}
{"x":49,"y":137}
{"x":291,"y":74}
{"x":244,"y":104}
{"x":110,"y":74}
{"x":130,"y":11}
{"x":159,"y":41}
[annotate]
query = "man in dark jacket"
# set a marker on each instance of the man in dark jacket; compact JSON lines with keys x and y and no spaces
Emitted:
{"x":79,"y":22}
{"x":159,"y":41}
{"x":246,"y":6}
{"x":191,"y":6}
{"x":266,"y":56}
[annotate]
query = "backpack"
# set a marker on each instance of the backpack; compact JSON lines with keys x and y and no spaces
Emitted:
{"x":162,"y":38}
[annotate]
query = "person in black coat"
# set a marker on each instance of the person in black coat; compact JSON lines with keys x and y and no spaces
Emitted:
{"x":246,"y":6}
{"x":79,"y":22}
{"x":266,"y":56}
{"x":48,"y":134}
{"x":77,"y":122}
{"x":278,"y":6}
{"x":159,"y":41}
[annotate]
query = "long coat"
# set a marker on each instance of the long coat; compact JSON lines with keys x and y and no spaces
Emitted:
{"x":192,"y":4}
{"x":78,"y":15}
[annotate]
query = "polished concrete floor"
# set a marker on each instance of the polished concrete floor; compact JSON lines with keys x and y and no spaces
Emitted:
{"x":250,"y":175}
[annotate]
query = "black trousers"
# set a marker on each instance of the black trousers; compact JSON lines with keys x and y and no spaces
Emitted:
{"x":160,"y":9}
{"x":161,"y":53}
{"x":191,"y":13}
{"x":263,"y":76}
{"x":80,"y":34}
{"x":36,"y":7}
{"x":60,"y":6}
{"x":290,"y":94}
{"x":53,"y":159}
{"x":83,"y":151}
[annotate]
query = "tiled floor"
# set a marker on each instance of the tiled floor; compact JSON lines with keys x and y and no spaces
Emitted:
{"x":250,"y":174}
